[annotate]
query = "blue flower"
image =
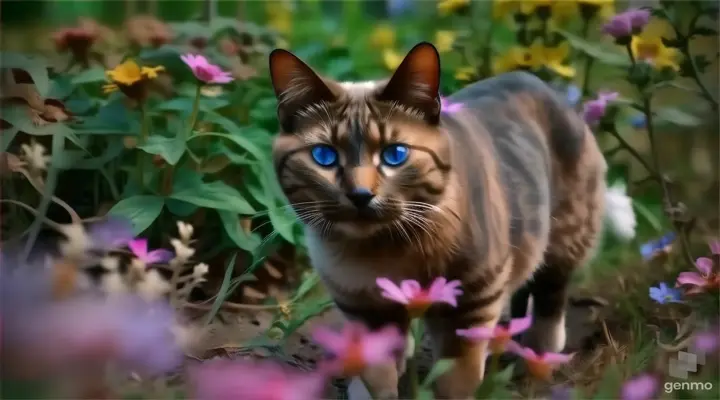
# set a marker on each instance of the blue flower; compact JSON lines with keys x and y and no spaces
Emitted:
{"x":664,"y":294}
{"x":651,"y":248}
{"x":573,"y":95}
{"x":638,"y":121}
{"x":396,"y":8}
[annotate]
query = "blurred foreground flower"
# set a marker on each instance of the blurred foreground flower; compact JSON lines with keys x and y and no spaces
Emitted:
{"x":392,"y":59}
{"x":204,"y":71}
{"x":622,"y":26}
{"x":499,"y":336}
{"x":465,"y":73}
{"x":139,"y":248}
{"x":620,"y":214}
{"x":657,"y":246}
{"x":650,"y":48}
{"x":590,"y":9}
{"x":516,"y":58}
{"x":444,"y":41}
{"x":664,"y":294}
{"x":146,"y":30}
{"x":642,"y":387}
{"x":383,"y":36}
{"x":446,"y":7}
{"x":552,"y":58}
{"x":356,"y":348}
{"x":448,"y":107}
{"x":539,"y":366}
{"x":707,"y":341}
{"x":594,"y":110}
{"x":34,"y":155}
{"x":703,"y":280}
{"x":228,"y":379}
{"x":79,"y":40}
{"x":416,"y":299}
{"x":131,"y":79}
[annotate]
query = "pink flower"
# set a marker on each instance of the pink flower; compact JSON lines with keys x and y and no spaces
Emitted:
{"x":499,"y":336}
{"x":594,"y":110}
{"x":139,"y":248}
{"x":707,"y":341}
{"x":448,"y":107}
{"x":707,"y":278}
{"x":109,"y":234}
{"x":642,"y":387}
{"x":715,"y":247}
{"x":627,"y":23}
{"x":356,"y":348}
{"x":228,"y":379}
{"x":204,"y":71}
{"x":416,"y":299}
{"x":540,"y":366}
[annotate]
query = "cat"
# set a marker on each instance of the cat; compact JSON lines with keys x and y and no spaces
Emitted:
{"x":505,"y":194}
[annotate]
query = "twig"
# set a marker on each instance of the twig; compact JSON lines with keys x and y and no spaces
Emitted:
{"x":588,"y":61}
{"x":626,"y":146}
{"x":685,"y":50}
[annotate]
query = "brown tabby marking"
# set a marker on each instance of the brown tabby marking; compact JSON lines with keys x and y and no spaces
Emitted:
{"x":505,"y":195}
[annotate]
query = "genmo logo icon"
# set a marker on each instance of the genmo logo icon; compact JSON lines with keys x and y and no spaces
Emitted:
{"x":686,"y":361}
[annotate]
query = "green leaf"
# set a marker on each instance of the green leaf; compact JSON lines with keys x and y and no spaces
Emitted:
{"x":216,"y":195}
{"x":339,"y":68}
{"x":184,"y":105}
{"x":141,"y":210}
{"x":223,"y":292}
{"x":180,"y":208}
{"x":169,"y":148}
{"x":604,"y":54}
{"x":648,"y":215}
{"x":7,"y":137}
{"x":676,"y":116}
{"x":92,"y":75}
{"x":440,"y":367}
{"x":231,"y":224}
{"x":20,"y":119}
{"x":35,"y":66}
{"x":247,"y":138}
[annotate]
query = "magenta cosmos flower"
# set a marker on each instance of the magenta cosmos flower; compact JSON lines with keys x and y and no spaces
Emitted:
{"x":540,"y":366}
{"x":706,"y":278}
{"x":110,"y":234}
{"x":416,"y":299}
{"x":499,"y":336}
{"x":448,"y":107}
{"x":204,"y":71}
{"x":355,"y":348}
{"x":707,"y":341}
{"x":139,"y":248}
{"x":642,"y":387}
{"x":594,"y":110}
{"x":627,"y":23}
{"x":229,"y":379}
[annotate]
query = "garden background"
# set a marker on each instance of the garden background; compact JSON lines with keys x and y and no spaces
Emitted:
{"x":159,"y":147}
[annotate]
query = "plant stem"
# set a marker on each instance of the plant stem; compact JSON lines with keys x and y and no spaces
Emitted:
{"x":144,"y":129}
{"x":412,"y":369}
{"x":625,"y":145}
{"x":195,"y":111}
{"x":630,"y":53}
{"x":685,"y":50}
{"x":588,"y":61}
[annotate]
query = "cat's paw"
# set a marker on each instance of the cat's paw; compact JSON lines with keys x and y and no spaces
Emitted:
{"x":546,"y":335}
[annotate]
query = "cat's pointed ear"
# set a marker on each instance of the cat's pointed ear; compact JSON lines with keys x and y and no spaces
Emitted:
{"x":296,"y":86}
{"x":416,"y":82}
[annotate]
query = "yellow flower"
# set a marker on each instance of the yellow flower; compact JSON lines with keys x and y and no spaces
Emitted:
{"x":552,"y":58}
{"x":528,"y":7}
{"x":130,"y":78}
{"x":563,"y":10}
{"x":383,"y":36}
{"x":444,"y":40}
{"x":446,"y":7}
{"x":465,"y":73}
{"x":602,"y":8}
{"x":279,"y":16}
{"x":650,"y":48}
{"x":502,"y":8}
{"x":152,"y":72}
{"x":109,"y":88}
{"x":392,"y":59}
{"x":515,"y":58}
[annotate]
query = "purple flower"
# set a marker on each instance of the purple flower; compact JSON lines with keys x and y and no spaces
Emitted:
{"x":707,"y":341}
{"x":664,"y":294}
{"x":110,"y":234}
{"x":654,"y":247}
{"x":561,"y":392}
{"x":416,"y":299}
{"x":230,"y":379}
{"x":139,"y":248}
{"x":204,"y":71}
{"x":627,"y":23}
{"x":642,"y":387}
{"x":594,"y":110}
{"x":448,"y":107}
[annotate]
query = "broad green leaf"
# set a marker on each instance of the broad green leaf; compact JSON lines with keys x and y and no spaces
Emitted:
{"x":231,"y":224}
{"x":216,"y":195}
{"x":651,"y":218}
{"x":223,"y":292}
{"x":141,"y":210}
{"x":112,"y":118}
{"x":36,"y":67}
{"x":19,"y":117}
{"x":7,"y":137}
{"x":268,"y":246}
{"x":184,"y":105}
{"x":248,"y":138}
{"x":180,"y":208}
{"x":60,"y":88}
{"x":605,"y":54}
{"x":169,"y":148}
{"x":92,"y":75}
{"x":439,"y":368}
{"x":676,"y":116}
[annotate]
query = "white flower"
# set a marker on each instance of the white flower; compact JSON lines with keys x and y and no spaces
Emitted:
{"x":77,"y":242}
{"x":199,"y":271}
{"x":182,"y":252}
{"x":113,"y":284}
{"x":153,"y":286}
{"x":619,"y":211}
{"x":34,"y":155}
{"x":185,"y":231}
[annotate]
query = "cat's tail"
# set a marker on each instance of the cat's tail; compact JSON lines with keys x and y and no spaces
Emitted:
{"x":619,"y":212}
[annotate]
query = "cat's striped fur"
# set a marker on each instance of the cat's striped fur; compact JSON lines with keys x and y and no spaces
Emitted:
{"x":507,"y":189}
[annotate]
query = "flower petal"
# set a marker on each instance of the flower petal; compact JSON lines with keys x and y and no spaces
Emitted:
{"x":138,"y":247}
{"x":518,"y":325}
{"x":556,"y":358}
{"x":410,"y":288}
{"x":391,"y":291}
{"x":379,"y":347}
{"x":477,"y":333}
{"x":715,"y":247}
{"x":704,"y":265}
{"x":159,"y":256}
{"x":330,"y":340}
{"x":691,"y":278}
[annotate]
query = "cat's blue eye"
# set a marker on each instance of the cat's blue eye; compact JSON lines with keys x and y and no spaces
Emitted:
{"x":395,"y":155}
{"x":324,"y":155}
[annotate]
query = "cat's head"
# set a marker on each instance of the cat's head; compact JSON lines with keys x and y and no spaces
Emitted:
{"x":356,"y":158}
